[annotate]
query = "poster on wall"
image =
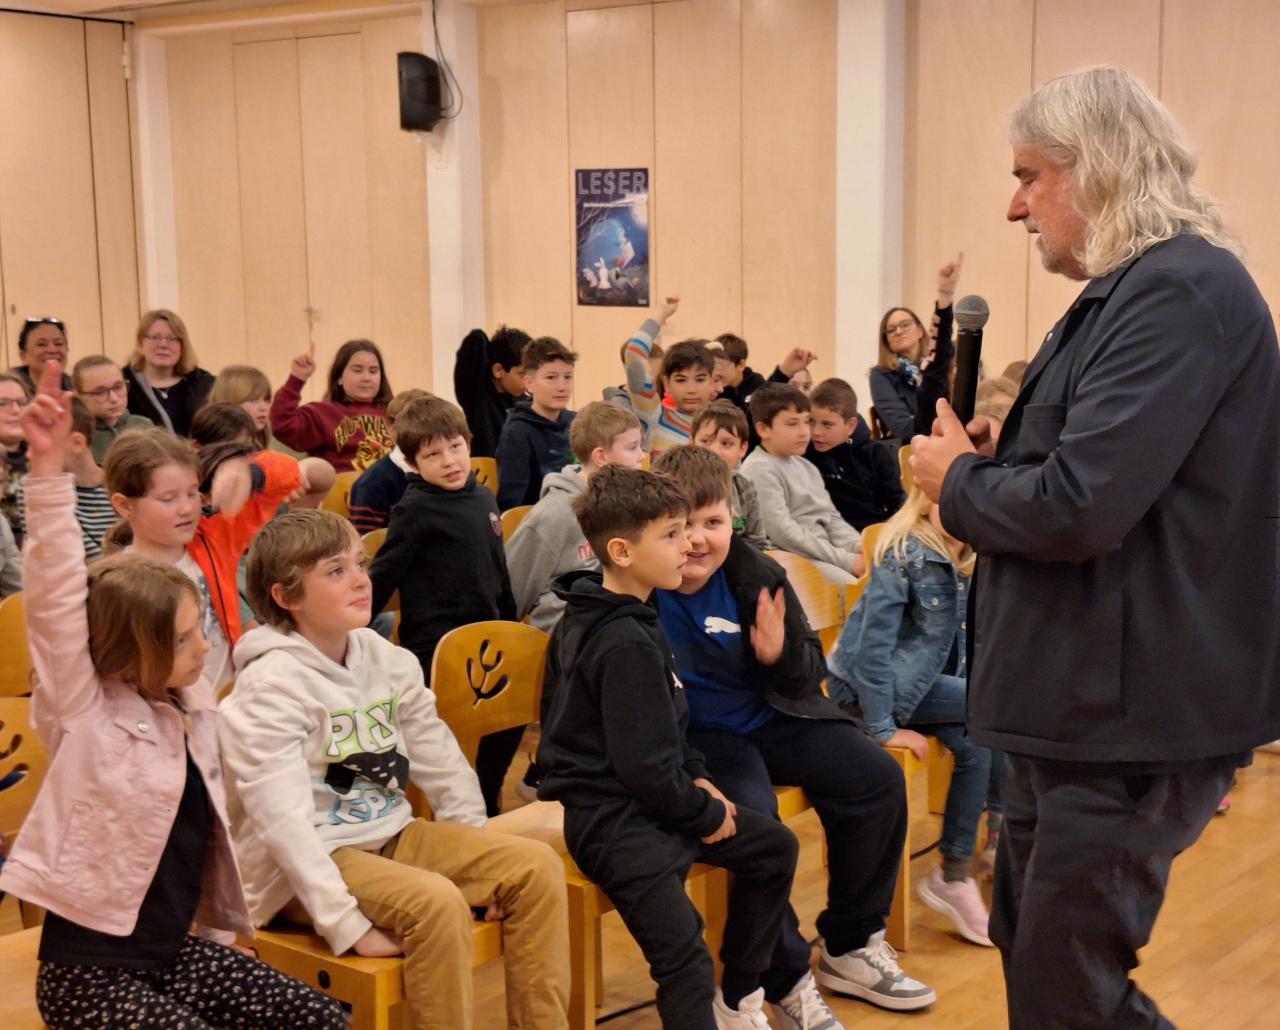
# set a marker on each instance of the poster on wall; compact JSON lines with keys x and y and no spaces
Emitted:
{"x":612,"y":208}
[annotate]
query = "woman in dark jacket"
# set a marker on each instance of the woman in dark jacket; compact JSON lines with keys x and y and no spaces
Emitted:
{"x":165,"y":381}
{"x":904,"y":344}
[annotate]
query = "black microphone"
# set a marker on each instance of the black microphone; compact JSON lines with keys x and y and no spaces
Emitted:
{"x":971,"y":315}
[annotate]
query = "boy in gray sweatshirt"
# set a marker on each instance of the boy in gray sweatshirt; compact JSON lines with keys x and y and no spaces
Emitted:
{"x":549,"y":541}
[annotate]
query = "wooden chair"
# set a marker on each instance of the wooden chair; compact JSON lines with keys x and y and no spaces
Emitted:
{"x":488,"y":677}
{"x":21,"y":752}
{"x":904,"y":467}
{"x":511,"y":519}
{"x":869,"y":536}
{"x":18,"y":968}
{"x":821,"y":600}
{"x":338,"y":498}
{"x":371,"y":543}
{"x":17,"y":674}
{"x":486,"y":470}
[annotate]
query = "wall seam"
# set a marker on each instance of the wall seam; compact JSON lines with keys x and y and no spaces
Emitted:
{"x":93,"y":186}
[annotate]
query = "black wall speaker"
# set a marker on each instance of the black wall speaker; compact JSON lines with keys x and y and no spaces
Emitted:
{"x":419,"y":92}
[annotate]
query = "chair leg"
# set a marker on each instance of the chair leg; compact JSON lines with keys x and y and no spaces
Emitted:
{"x":584,"y":956}
{"x":898,"y":930}
{"x":715,"y":910}
{"x":941,"y":765}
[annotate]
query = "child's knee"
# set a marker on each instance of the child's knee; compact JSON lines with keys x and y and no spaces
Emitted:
{"x":436,"y":904}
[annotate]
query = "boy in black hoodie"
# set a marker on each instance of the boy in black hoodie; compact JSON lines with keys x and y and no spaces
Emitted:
{"x":488,"y":380}
{"x":758,"y":713}
{"x":444,"y":554}
{"x":861,"y":474}
{"x":639,"y":806}
{"x":535,"y":440}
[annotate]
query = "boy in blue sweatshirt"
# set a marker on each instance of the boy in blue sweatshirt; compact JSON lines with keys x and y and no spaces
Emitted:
{"x":535,"y":438}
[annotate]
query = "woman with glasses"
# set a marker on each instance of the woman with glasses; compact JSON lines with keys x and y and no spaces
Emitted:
{"x":904,"y":345}
{"x":99,"y":382}
{"x":41,"y":339}
{"x":13,"y":446}
{"x":166,"y":384}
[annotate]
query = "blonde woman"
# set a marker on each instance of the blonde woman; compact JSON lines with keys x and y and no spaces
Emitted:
{"x":166,"y":383}
{"x":248,"y":388}
{"x":901,"y":660}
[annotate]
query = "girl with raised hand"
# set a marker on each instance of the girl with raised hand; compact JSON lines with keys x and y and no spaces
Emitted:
{"x":349,"y":428}
{"x":127,"y":845}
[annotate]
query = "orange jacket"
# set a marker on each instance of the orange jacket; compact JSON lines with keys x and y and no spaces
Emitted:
{"x":221,"y":540}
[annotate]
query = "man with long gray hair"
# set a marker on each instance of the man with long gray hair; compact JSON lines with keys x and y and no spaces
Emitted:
{"x":1124,"y":610}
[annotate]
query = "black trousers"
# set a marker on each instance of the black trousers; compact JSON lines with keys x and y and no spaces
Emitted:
{"x":1081,"y":871}
{"x":642,"y":867}
{"x":858,"y":792}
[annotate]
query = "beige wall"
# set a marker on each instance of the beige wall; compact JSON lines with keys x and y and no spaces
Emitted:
{"x":971,"y":61}
{"x":730,"y":103}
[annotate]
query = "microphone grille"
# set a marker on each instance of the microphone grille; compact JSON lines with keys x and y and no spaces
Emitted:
{"x":971,"y":312}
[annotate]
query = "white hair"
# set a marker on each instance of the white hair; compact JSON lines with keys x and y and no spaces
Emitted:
{"x":1129,"y":164}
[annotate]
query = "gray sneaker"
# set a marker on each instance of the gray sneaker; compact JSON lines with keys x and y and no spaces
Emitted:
{"x":873,"y":974}
{"x":805,"y":1009}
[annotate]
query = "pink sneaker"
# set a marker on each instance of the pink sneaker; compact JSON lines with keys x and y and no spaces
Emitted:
{"x":959,"y":899}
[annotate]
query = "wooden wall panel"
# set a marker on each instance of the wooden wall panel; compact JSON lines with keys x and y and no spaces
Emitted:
{"x":206,"y":198}
{"x":524,"y":133}
{"x":611,"y":108}
{"x":788,"y":179}
{"x":1066,"y":39}
{"x":698,"y":157}
{"x":113,"y":184}
{"x":335,"y":190}
{"x":397,"y":209}
{"x":969,"y":65}
{"x":1221,"y":80}
{"x":48,"y":235}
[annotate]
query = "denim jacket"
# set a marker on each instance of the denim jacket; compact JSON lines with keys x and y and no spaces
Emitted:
{"x":898,"y":638}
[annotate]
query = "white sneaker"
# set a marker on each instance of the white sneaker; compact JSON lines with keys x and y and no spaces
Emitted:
{"x":873,"y":974}
{"x":749,"y":1015}
{"x":805,"y":1009}
{"x":959,"y":899}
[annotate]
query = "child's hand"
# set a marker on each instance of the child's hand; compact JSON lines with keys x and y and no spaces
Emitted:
{"x":859,"y":566}
{"x":768,"y":634}
{"x":796,"y":359}
{"x":46,"y":423}
{"x":949,"y":276}
{"x":727,"y":829}
{"x":668,"y":309}
{"x":304,"y":365}
{"x":376,"y":944}
{"x":915,"y":743}
{"x":714,"y":791}
{"x":231,"y":486}
{"x":495,"y":913}
{"x":317,"y":479}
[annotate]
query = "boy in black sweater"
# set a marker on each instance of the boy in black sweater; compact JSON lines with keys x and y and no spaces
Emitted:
{"x":444,"y":554}
{"x":488,"y":380}
{"x":535,"y":439}
{"x":639,"y":806}
{"x":861,"y":474}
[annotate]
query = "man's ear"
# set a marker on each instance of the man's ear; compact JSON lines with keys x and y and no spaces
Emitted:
{"x":619,"y":551}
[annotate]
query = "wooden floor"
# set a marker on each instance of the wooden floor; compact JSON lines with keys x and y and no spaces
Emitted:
{"x":1212,"y":962}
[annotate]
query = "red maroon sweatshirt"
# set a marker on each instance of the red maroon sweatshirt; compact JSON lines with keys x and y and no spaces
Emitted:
{"x":348,"y":436}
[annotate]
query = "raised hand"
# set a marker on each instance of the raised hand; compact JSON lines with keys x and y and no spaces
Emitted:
{"x":46,"y":423}
{"x":949,"y":277}
{"x":796,"y":359}
{"x":769,"y":632}
{"x":304,"y":365}
{"x":668,"y":308}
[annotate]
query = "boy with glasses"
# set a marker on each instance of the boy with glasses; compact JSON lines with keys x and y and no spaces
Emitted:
{"x":98,"y":382}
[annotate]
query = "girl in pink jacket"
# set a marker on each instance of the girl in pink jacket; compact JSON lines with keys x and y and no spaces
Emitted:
{"x":127,"y":844}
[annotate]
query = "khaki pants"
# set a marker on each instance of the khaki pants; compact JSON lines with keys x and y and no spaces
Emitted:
{"x":422,"y":887}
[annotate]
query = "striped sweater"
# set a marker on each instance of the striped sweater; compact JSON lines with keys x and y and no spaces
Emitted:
{"x":664,"y":428}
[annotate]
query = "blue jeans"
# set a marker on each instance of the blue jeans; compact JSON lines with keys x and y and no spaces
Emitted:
{"x":941,"y":714}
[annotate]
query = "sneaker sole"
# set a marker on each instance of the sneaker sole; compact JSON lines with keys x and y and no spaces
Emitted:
{"x":940,"y":905}
{"x":854,"y":990}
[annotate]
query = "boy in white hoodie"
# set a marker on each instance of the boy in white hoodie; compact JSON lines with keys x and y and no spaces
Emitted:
{"x":327,"y":724}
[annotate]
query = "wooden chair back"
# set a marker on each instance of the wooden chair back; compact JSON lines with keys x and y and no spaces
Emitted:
{"x":371,"y":544}
{"x":488,"y":677}
{"x":17,"y":675}
{"x":338,"y":499}
{"x":876,"y":424}
{"x":821,"y":599}
{"x":511,"y":519}
{"x":869,"y":537}
{"x":904,"y":467}
{"x":486,"y":470}
{"x":23,"y":753}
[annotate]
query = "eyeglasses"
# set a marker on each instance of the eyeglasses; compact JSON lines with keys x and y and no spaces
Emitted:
{"x":45,"y":320}
{"x":103,"y":392}
{"x":157,"y":338}
{"x":899,"y":328}
{"x":10,"y":403}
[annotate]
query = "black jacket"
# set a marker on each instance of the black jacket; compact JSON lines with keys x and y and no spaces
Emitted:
{"x":483,"y":403}
{"x":530,"y":448}
{"x":1125,"y":605}
{"x":862,"y":477}
{"x":614,"y":712}
{"x":444,"y":554}
{"x":907,"y":410}
{"x":193,"y":390}
{"x":793,"y":684}
{"x":741,"y":396}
